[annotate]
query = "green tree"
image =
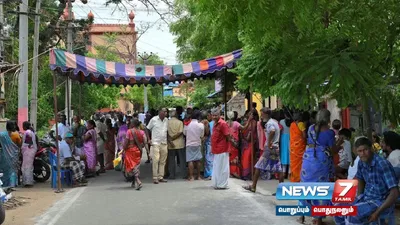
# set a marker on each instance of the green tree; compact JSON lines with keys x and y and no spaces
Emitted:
{"x":45,"y":95}
{"x":99,"y":96}
{"x":154,"y":93}
{"x":47,"y":39}
{"x":135,"y":95}
{"x":50,"y":36}
{"x":185,"y":88}
{"x":199,"y":35}
{"x":172,"y":102}
{"x":203,"y":88}
{"x":93,"y":97}
{"x":305,"y":50}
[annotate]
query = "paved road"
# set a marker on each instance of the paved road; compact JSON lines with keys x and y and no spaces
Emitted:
{"x":108,"y":200}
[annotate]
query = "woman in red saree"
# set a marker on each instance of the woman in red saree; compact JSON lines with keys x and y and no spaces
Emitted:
{"x":133,"y":146}
{"x":249,"y":128}
{"x":297,"y":146}
{"x":233,"y":145}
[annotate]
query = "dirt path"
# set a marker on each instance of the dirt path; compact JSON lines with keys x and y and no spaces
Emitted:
{"x":29,"y":203}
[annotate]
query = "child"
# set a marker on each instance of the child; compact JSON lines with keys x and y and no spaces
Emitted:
{"x":345,"y":154}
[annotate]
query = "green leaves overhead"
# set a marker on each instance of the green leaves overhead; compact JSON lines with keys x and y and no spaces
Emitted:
{"x":300,"y":51}
{"x":173,"y":102}
{"x":202,"y":88}
{"x":200,"y":34}
{"x":154,"y":93}
{"x":390,"y":107}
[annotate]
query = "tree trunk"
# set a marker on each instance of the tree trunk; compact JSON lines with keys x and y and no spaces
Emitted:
{"x":367,"y":116}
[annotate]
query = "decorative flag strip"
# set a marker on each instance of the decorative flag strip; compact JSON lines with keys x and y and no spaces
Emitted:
{"x":90,"y":70}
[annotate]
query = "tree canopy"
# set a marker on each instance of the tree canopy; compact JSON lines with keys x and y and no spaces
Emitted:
{"x":202,"y":88}
{"x":135,"y":94}
{"x":199,"y":35}
{"x":172,"y":102}
{"x":300,"y":51}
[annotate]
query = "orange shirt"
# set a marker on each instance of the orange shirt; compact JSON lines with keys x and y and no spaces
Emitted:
{"x":16,"y":138}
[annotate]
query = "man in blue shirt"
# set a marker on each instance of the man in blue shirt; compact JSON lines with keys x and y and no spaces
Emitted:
{"x":377,"y":186}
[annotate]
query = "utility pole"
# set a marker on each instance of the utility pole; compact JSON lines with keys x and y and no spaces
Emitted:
{"x":68,"y":84}
{"x":34,"y":98}
{"x":23,"y":60}
{"x":2,"y":94}
{"x":145,"y":57}
{"x":1,"y":31}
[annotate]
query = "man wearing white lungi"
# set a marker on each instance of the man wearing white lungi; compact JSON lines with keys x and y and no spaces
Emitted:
{"x":194,"y":132}
{"x":219,"y":147}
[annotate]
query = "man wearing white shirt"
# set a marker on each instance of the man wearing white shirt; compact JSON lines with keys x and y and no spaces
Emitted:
{"x":142,"y":117}
{"x":353,"y":169}
{"x":61,"y":127}
{"x":158,"y":126}
{"x":194,"y":133}
{"x":394,"y":158}
{"x":391,"y":146}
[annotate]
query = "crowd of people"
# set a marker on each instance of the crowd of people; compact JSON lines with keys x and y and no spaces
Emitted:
{"x":307,"y":147}
{"x":19,"y":148}
{"x":299,"y":145}
{"x":18,"y":153}
{"x":187,"y":138}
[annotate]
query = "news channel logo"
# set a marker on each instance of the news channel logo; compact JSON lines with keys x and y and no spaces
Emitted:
{"x":342,"y":191}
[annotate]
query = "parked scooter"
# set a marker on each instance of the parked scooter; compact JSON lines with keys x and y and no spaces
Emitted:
{"x":41,"y":164}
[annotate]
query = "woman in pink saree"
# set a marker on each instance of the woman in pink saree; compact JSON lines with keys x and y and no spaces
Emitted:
{"x":233,"y":145}
{"x":90,"y":147}
{"x":29,"y":148}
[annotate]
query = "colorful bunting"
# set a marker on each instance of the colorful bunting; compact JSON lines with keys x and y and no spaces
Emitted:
{"x":131,"y":74}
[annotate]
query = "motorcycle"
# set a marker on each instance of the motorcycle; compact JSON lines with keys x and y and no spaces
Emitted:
{"x":41,"y":164}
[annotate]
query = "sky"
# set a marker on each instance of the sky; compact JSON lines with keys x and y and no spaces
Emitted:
{"x":157,"y":39}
